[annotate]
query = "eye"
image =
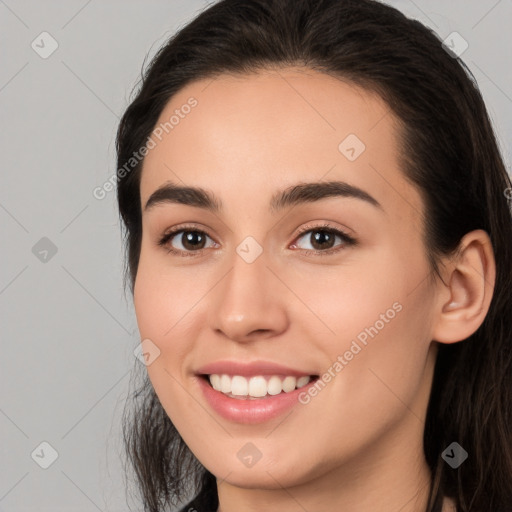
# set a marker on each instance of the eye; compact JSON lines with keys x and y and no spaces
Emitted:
{"x":186,"y":241}
{"x":322,"y":239}
{"x":190,"y":241}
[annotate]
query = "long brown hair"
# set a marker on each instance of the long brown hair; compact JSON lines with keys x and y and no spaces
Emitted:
{"x":448,"y":151}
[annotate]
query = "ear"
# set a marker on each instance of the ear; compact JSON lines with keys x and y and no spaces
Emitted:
{"x":465,"y":295}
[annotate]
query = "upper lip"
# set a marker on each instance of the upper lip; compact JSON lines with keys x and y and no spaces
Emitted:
{"x":249,"y":369}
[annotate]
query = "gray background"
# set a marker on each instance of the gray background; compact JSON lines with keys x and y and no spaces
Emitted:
{"x":68,"y":331}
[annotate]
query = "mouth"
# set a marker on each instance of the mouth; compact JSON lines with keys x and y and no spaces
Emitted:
{"x":256,"y":387}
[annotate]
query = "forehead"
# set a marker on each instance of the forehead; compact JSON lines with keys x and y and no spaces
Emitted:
{"x":248,"y":135}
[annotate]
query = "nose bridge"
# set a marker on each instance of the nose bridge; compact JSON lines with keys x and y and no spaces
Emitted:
{"x":247,"y":298}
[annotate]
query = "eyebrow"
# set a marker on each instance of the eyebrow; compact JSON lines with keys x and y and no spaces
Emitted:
{"x":297,"y":194}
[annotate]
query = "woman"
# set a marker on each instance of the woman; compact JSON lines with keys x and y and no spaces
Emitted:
{"x":319,"y":248}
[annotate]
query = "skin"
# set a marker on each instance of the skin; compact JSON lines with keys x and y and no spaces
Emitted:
{"x":248,"y":137}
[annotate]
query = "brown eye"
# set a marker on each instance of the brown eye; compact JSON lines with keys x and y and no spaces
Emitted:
{"x":192,"y":240}
{"x":322,"y":240}
{"x":186,"y":241}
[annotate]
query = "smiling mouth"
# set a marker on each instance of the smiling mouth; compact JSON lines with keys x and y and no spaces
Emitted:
{"x":256,"y":387}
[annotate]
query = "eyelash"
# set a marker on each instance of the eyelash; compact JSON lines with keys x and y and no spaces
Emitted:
{"x":348,"y":241}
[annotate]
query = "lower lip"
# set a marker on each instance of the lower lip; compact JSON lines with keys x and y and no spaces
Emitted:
{"x":250,"y":411}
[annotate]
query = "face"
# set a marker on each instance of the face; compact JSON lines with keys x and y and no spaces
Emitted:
{"x":326,"y":281}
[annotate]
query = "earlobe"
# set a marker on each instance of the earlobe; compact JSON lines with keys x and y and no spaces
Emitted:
{"x":464,"y":301}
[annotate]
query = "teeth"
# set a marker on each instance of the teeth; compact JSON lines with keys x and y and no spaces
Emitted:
{"x":289,"y":384}
{"x":302,"y":381}
{"x":239,"y":386}
{"x":257,"y":386}
{"x":274,"y":386}
{"x":225,"y":384}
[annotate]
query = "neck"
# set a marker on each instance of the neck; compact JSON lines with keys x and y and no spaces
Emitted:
{"x":390,"y":477}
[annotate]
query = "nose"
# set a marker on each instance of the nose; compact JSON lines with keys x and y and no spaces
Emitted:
{"x":249,"y":303}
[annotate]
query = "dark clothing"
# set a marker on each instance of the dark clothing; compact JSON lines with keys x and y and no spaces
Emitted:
{"x":207,"y":500}
{"x":199,"y":504}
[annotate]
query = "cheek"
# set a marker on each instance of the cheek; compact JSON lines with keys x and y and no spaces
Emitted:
{"x":344,"y":300}
{"x":151,"y":305}
{"x":377,"y":316}
{"x":163,"y":306}
{"x":169,"y":307}
{"x":163,"y":299}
